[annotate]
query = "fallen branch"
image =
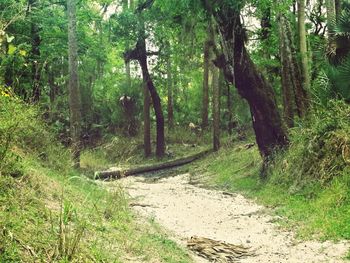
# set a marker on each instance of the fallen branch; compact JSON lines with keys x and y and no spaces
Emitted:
{"x":119,"y":173}
{"x":217,"y":251}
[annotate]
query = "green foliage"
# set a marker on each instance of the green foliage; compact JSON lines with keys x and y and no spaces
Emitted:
{"x":308,"y":184}
{"x":22,"y":132}
{"x":319,"y":151}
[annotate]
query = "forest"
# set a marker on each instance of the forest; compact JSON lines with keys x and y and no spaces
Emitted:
{"x":174,"y":131}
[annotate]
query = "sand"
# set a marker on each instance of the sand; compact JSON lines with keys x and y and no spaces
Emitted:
{"x":185,"y":210}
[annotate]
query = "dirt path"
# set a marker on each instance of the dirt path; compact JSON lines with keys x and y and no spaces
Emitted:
{"x":186,"y":210}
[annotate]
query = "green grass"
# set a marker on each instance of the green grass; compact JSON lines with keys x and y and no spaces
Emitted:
{"x":50,"y":212}
{"x":314,"y":210}
{"x":30,"y":212}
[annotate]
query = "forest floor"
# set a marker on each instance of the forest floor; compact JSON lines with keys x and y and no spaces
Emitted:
{"x":185,"y":209}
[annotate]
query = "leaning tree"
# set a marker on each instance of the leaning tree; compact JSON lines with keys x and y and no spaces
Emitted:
{"x":240,"y":70}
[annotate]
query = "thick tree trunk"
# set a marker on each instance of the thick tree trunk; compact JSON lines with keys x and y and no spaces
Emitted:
{"x":216,"y":109}
{"x":205,"y":94}
{"x":240,"y":70}
{"x":146,"y":121}
{"x":170,"y":95}
{"x":73,"y":86}
{"x":303,"y":45}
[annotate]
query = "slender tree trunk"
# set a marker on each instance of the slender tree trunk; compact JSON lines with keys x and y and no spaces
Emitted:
{"x":331,"y":16}
{"x":170,"y":95}
{"x":146,"y":121}
{"x":216,"y":109}
{"x":286,"y":76}
{"x":338,"y":8}
{"x":126,"y":6}
{"x":229,"y":108}
{"x":73,"y":86}
{"x":331,"y":20}
{"x":205,"y":95}
{"x":35,"y":41}
{"x":140,"y":54}
{"x":301,"y":95}
{"x":52,"y":91}
{"x":240,"y":70}
{"x":303,"y":45}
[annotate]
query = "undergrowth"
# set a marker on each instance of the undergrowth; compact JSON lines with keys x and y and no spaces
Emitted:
{"x":49,"y":212}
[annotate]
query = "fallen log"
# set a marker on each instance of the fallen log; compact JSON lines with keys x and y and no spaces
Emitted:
{"x":114,"y":173}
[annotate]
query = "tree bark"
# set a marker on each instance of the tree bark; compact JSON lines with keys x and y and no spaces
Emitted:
{"x":35,"y":55}
{"x":250,"y":83}
{"x":338,"y":8}
{"x":149,"y":168}
{"x":170,"y":94}
{"x":216,"y":109}
{"x":286,"y":70}
{"x":73,"y":86}
{"x":146,"y":121}
{"x":140,"y":53}
{"x":127,"y":6}
{"x":229,"y":109}
{"x":205,"y":95}
{"x":303,"y":45}
{"x":331,"y":16}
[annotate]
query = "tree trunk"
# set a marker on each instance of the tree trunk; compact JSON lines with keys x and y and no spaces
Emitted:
{"x":140,"y":54}
{"x":286,"y":70}
{"x":127,"y":6}
{"x":119,"y":173}
{"x":170,"y":95}
{"x":301,"y":95}
{"x":73,"y":86}
{"x":338,"y":8}
{"x":250,"y":83}
{"x":146,"y":121}
{"x":229,"y":109}
{"x":216,"y":109}
{"x":205,"y":95}
{"x":331,"y":16}
{"x":303,"y":46}
{"x":160,"y":148}
{"x":35,"y":55}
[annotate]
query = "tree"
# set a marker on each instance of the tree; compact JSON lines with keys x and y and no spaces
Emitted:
{"x":295,"y":97}
{"x":140,"y":53}
{"x":216,"y":109}
{"x":170,"y":91}
{"x":206,"y":65}
{"x":146,"y":121}
{"x":73,"y":86}
{"x":286,"y":72}
{"x":303,"y":45}
{"x":240,"y":70}
{"x":35,"y":42}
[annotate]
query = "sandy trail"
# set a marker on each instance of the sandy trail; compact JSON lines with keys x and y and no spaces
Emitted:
{"x":186,"y":210}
